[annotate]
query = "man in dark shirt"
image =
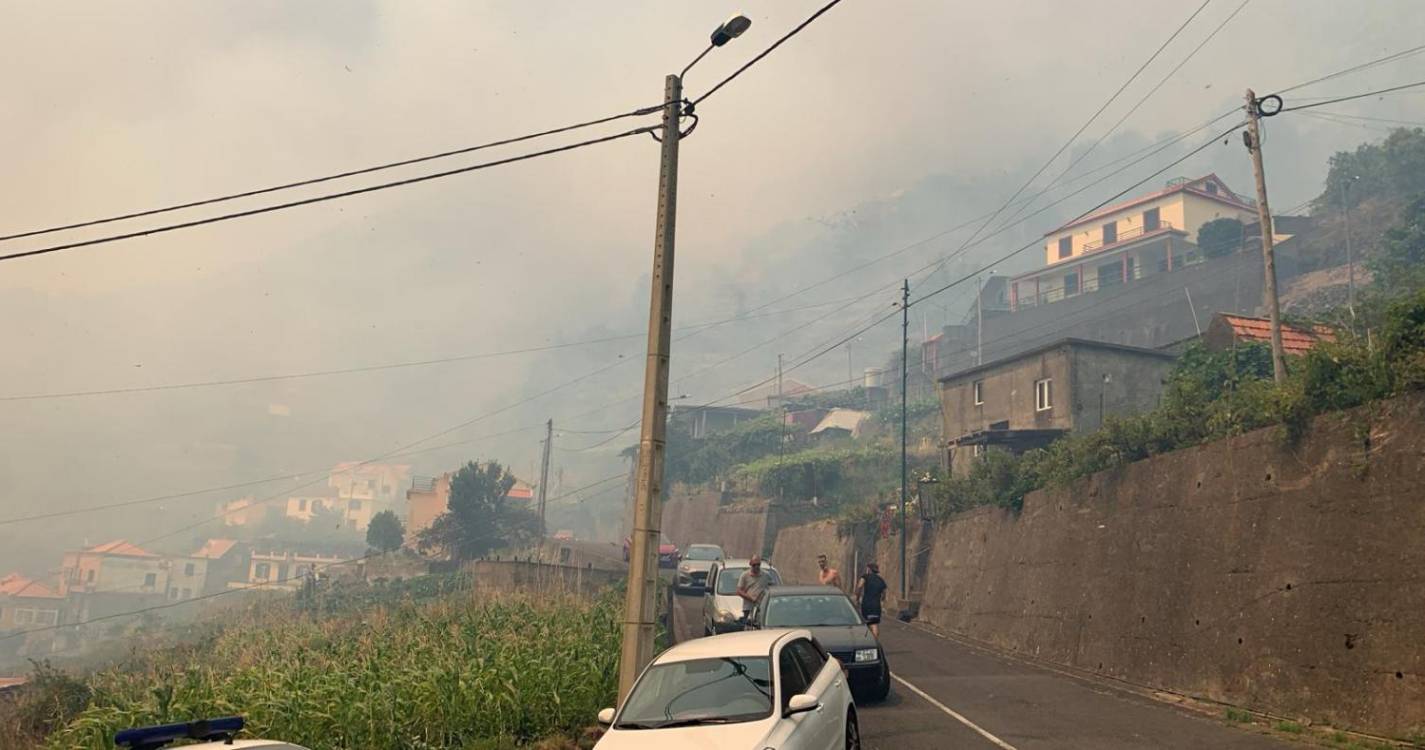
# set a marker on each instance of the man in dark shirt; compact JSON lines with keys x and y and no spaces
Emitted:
{"x":871,"y":590}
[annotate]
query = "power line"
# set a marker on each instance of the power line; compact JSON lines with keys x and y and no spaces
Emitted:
{"x":328,"y":178}
{"x":1417,"y":123}
{"x":389,"y":365}
{"x":322,"y":198}
{"x":767,"y":51}
{"x":1075,"y":162}
{"x":1340,"y":99}
{"x":1089,"y":121}
{"x":1355,"y":68}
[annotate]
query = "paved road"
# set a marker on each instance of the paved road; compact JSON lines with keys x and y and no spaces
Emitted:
{"x":948,"y":695}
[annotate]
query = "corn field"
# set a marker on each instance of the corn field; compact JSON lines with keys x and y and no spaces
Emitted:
{"x":450,"y":674}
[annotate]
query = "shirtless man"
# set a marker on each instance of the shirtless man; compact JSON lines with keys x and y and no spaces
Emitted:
{"x":827,"y":575}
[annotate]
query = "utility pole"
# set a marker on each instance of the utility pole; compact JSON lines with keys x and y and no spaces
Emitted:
{"x":640,"y":607}
{"x":544,"y":476}
{"x":905,"y":382}
{"x":1350,"y":264}
{"x":979,"y":322}
{"x":1253,"y":139}
{"x":779,"y":380}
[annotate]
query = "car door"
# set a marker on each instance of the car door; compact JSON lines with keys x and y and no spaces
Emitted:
{"x":825,"y":682}
{"x":798,"y":730}
{"x":710,"y":597}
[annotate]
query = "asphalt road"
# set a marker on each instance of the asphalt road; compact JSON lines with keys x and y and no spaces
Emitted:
{"x":949,"y":695}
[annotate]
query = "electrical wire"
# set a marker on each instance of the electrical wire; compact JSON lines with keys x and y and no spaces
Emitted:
{"x":321,"y":198}
{"x":1083,"y":155}
{"x":1351,"y":97}
{"x":1089,"y":121}
{"x":1355,"y":68}
{"x":330,"y":177}
{"x":796,"y":30}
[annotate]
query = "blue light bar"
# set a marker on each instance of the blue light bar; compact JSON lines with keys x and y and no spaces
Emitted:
{"x":152,"y":738}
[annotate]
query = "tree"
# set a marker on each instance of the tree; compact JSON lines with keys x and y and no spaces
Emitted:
{"x":1400,"y":264}
{"x":1394,"y":167}
{"x":479,"y":518}
{"x":1220,"y":237}
{"x":385,"y":532}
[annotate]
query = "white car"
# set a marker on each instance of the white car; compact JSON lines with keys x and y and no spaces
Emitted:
{"x":217,"y":733}
{"x":772,"y":689}
{"x":693,"y":568}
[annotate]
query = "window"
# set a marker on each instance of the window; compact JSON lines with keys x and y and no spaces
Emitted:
{"x":150,"y":580}
{"x":262,"y":571}
{"x":301,"y":505}
{"x":24,"y":616}
{"x":725,"y":690}
{"x":794,"y":681}
{"x":1110,"y":233}
{"x":89,"y":576}
{"x":808,"y":656}
{"x":282,"y":571}
{"x":355,"y":505}
{"x":1043,"y":394}
{"x":172,"y":592}
{"x":792,"y":611}
{"x":47,"y":617}
{"x":979,"y":388}
{"x":1151,"y":220}
{"x":1210,"y":187}
{"x":1066,"y":246}
{"x":1071,"y":284}
{"x":979,"y":451}
{"x":188,"y":569}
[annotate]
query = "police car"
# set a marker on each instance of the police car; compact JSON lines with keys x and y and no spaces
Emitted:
{"x":214,"y":733}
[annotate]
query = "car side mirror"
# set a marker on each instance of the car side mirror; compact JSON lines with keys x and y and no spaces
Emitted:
{"x":800,"y":704}
{"x":606,"y":716}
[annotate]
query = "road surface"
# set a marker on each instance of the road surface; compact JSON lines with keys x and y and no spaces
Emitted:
{"x":948,"y":695}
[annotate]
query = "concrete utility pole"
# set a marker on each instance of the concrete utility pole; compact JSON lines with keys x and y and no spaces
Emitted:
{"x":1253,"y":140}
{"x":640,"y":607}
{"x":905,"y":382}
{"x":544,"y":476}
{"x":1350,"y":261}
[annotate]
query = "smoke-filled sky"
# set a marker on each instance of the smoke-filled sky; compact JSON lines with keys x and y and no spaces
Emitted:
{"x":881,"y":124}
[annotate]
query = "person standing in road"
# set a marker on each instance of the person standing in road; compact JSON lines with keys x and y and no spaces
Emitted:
{"x":871,"y":590}
{"x":752,"y":583}
{"x":825,"y":574}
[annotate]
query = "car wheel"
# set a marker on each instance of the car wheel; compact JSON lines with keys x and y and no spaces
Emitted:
{"x":882,"y":688}
{"x":853,"y":732}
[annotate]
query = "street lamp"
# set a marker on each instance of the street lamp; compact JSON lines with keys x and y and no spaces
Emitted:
{"x":640,"y":609}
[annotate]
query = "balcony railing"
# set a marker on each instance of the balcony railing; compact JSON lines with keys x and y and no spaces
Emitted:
{"x":1127,"y":235}
{"x":1093,"y":284}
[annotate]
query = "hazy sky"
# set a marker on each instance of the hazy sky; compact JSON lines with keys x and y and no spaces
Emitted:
{"x":882,"y":123}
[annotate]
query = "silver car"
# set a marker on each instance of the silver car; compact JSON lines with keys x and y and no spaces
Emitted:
{"x":697,"y":561}
{"x":722,"y":607}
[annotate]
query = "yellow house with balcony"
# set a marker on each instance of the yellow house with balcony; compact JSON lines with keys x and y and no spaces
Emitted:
{"x":1154,"y":233}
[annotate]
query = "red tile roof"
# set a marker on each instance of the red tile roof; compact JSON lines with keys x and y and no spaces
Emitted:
{"x":120,"y":547}
{"x":18,"y":585}
{"x":1294,"y":340}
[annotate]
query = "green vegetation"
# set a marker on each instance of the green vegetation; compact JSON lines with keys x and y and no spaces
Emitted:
{"x":831,"y":472}
{"x":1391,"y":168}
{"x":385,"y":532}
{"x":379,"y":670}
{"x":1220,"y":237}
{"x":1237,"y":715}
{"x":1289,"y":727}
{"x":691,"y":461}
{"x":479,"y":519}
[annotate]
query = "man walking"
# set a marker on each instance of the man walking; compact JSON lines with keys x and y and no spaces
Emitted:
{"x":751,"y":584}
{"x":871,"y":590}
{"x":825,"y":574}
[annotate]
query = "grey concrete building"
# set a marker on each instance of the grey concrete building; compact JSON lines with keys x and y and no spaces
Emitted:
{"x":1031,"y":398}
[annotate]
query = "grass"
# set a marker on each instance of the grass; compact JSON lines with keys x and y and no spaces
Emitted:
{"x":1238,"y":716}
{"x":449,"y":673}
{"x":1290,"y":727}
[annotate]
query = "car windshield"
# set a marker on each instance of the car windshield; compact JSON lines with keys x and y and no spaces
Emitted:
{"x":810,"y":610}
{"x":703,"y":553}
{"x":701,"y":691}
{"x":727,"y":579}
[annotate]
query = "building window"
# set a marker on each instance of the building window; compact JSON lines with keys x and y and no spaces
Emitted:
{"x":150,"y":580}
{"x":1066,"y":246}
{"x":1071,"y":284}
{"x":188,"y":569}
{"x":1043,"y":394}
{"x":47,"y":617}
{"x":355,"y":505}
{"x":89,"y":576}
{"x":1151,"y":220}
{"x":979,"y":388}
{"x":1210,"y":187}
{"x":24,"y":616}
{"x":172,"y":592}
{"x":1110,"y":233}
{"x":301,"y":505}
{"x":262,"y":571}
{"x":979,"y":451}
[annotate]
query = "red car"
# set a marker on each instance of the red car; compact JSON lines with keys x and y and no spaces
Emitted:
{"x":668,"y":552}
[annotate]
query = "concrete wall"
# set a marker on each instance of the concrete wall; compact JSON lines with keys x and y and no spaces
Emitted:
{"x":517,"y":575}
{"x":1246,"y":572}
{"x":1134,"y":385}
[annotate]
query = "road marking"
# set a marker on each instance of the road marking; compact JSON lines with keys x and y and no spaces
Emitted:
{"x":953,"y":714}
